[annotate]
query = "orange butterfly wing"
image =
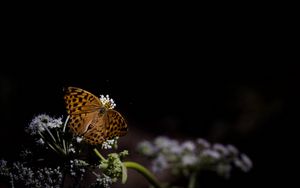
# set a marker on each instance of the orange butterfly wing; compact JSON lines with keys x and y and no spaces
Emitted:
{"x":90,"y":119}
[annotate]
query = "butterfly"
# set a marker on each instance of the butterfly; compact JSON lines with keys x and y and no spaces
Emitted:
{"x":91,"y":119}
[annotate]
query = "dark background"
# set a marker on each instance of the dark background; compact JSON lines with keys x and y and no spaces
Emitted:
{"x":253,"y":109}
{"x":226,"y":81}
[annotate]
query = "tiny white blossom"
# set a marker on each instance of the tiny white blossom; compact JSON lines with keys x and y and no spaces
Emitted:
{"x":160,"y":163}
{"x":79,"y":139}
{"x":165,"y":144}
{"x":104,"y":181}
{"x":71,"y":150}
{"x":188,"y":146}
{"x":40,"y":141}
{"x":242,"y":164}
{"x":211,"y":154}
{"x":147,"y":148}
{"x":107,"y":102}
{"x":176,"y":149}
{"x":189,"y":159}
{"x":25,"y":153}
{"x":232,"y":149}
{"x":108,"y":144}
{"x":247,"y":162}
{"x":3,"y":168}
{"x":3,"y":163}
{"x":203,"y":143}
{"x":221,"y":148}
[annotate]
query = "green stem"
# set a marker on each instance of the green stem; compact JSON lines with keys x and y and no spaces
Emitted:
{"x":65,"y":124}
{"x":49,"y":132}
{"x":145,"y":172}
{"x":192,"y":180}
{"x":99,"y":154}
{"x":64,"y":130}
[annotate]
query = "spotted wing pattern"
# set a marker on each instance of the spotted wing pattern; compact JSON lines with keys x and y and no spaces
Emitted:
{"x":90,"y":119}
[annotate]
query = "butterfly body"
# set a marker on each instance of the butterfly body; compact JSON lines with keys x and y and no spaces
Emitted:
{"x":91,"y":119}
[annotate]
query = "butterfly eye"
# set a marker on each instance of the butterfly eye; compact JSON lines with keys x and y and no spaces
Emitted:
{"x":102,"y":110}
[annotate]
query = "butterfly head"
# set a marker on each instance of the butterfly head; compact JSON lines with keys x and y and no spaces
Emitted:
{"x":102,"y":110}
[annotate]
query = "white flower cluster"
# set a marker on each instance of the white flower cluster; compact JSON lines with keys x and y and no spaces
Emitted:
{"x":107,"y":102}
{"x":41,"y":122}
{"x":4,"y":170}
{"x":103,"y":181}
{"x":112,"y":143}
{"x":77,"y":168}
{"x":26,"y":153}
{"x":31,"y":177}
{"x":188,"y":157}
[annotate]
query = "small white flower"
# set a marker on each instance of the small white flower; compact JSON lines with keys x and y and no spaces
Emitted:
{"x":104,"y":181}
{"x":221,"y":148}
{"x":108,"y":144}
{"x":147,"y":148}
{"x":203,"y":143}
{"x":40,"y":141}
{"x":176,"y":149}
{"x":3,"y":163}
{"x":4,"y":170}
{"x":247,"y":162}
{"x":165,"y":144}
{"x":71,"y":150}
{"x":107,"y":102}
{"x":160,"y":163}
{"x":211,"y":154}
{"x":25,"y":153}
{"x":188,"y":146}
{"x":189,"y":159}
{"x":79,"y":139}
{"x":232,"y":149}
{"x":55,"y":123}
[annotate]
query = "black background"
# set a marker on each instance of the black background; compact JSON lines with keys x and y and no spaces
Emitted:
{"x":224,"y":84}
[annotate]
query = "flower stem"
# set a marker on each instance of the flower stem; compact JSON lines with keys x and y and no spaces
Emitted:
{"x":99,"y":154}
{"x":145,"y":172}
{"x":65,"y":124}
{"x":192,"y":180}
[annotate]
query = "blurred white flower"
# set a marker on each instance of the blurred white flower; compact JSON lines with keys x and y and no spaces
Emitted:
{"x":165,"y":144}
{"x":232,"y":149}
{"x":146,"y":148}
{"x":188,"y":146}
{"x":203,"y":143}
{"x":244,"y":163}
{"x":221,"y":149}
{"x":208,"y":153}
{"x":189,"y":159}
{"x":159,"y":164}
